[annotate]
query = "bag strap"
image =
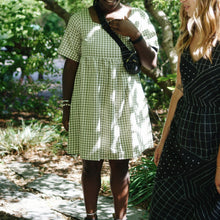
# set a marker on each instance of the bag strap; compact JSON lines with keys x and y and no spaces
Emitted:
{"x":107,"y":28}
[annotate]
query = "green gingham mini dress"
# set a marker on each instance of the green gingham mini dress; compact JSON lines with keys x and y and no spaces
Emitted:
{"x":109,"y":112}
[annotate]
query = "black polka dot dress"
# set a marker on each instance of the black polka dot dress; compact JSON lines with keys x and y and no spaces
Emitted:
{"x":184,"y":183}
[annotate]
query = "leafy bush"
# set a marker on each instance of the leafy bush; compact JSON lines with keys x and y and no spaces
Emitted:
{"x":155,"y":96}
{"x":25,"y":47}
{"x":28,"y":98}
{"x":142,"y":182}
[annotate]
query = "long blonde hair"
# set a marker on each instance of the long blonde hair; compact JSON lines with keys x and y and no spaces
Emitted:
{"x":206,"y":20}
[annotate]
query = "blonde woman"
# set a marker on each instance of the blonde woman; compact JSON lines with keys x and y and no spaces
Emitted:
{"x":187,"y":184}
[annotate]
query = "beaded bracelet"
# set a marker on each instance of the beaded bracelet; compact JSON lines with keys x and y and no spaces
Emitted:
{"x":137,"y":40}
{"x":65,"y":101}
{"x":66,"y":104}
{"x":90,"y":214}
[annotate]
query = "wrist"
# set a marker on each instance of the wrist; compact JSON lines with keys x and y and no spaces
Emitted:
{"x":160,"y":145}
{"x":66,"y":103}
{"x":136,"y":40}
{"x":135,"y":36}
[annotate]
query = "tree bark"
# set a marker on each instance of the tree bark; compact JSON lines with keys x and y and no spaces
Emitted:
{"x":167,"y":42}
{"x":53,"y":6}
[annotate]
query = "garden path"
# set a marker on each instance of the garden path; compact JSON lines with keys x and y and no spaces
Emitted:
{"x":35,"y":185}
{"x":31,"y":190}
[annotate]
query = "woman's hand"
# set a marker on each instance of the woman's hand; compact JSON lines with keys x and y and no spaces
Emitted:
{"x":217,"y":179}
{"x":66,"y":116}
{"x":124,"y":27}
{"x":157,"y":154}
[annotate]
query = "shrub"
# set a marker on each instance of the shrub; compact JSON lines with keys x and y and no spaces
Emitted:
{"x":142,"y":182}
{"x":16,"y":140}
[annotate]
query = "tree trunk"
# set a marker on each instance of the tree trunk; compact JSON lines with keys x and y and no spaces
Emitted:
{"x":167,"y":42}
{"x":53,"y":6}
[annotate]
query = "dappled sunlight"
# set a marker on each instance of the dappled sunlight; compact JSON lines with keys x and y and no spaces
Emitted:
{"x":92,"y":32}
{"x":113,"y":73}
{"x":30,"y":205}
{"x":96,"y":147}
{"x":53,"y":185}
{"x":139,"y":118}
{"x":19,"y":139}
{"x":50,"y":195}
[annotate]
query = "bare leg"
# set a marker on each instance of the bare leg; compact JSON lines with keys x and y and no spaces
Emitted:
{"x":91,"y":182}
{"x":120,"y":186}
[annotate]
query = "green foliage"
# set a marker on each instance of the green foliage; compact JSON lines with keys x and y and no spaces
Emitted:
{"x":35,"y":134}
{"x":75,"y":5}
{"x":171,"y":9}
{"x":155,"y":96}
{"x":137,"y":3}
{"x":29,"y":99}
{"x":24,"y":44}
{"x":105,"y":185}
{"x":168,"y":77}
{"x":25,"y":47}
{"x":142,"y":182}
{"x":51,"y":23}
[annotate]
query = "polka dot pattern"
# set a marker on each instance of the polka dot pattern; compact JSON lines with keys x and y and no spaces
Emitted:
{"x":184,"y":184}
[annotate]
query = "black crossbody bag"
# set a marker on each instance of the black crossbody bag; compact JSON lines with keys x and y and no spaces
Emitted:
{"x":130,"y":59}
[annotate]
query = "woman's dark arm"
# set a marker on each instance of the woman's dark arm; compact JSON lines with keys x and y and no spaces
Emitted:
{"x":69,"y":73}
{"x":146,"y":53}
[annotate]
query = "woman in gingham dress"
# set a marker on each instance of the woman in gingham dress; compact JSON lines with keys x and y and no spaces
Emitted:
{"x":187,"y":184}
{"x":105,"y":110}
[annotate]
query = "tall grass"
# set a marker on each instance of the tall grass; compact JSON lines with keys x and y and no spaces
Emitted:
{"x":142,"y":182}
{"x":35,"y":134}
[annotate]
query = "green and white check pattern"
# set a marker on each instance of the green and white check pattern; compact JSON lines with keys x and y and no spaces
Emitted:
{"x":109,"y":112}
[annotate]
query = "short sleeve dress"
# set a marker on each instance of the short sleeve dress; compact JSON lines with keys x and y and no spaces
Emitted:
{"x":109,"y":112}
{"x":185,"y":180}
